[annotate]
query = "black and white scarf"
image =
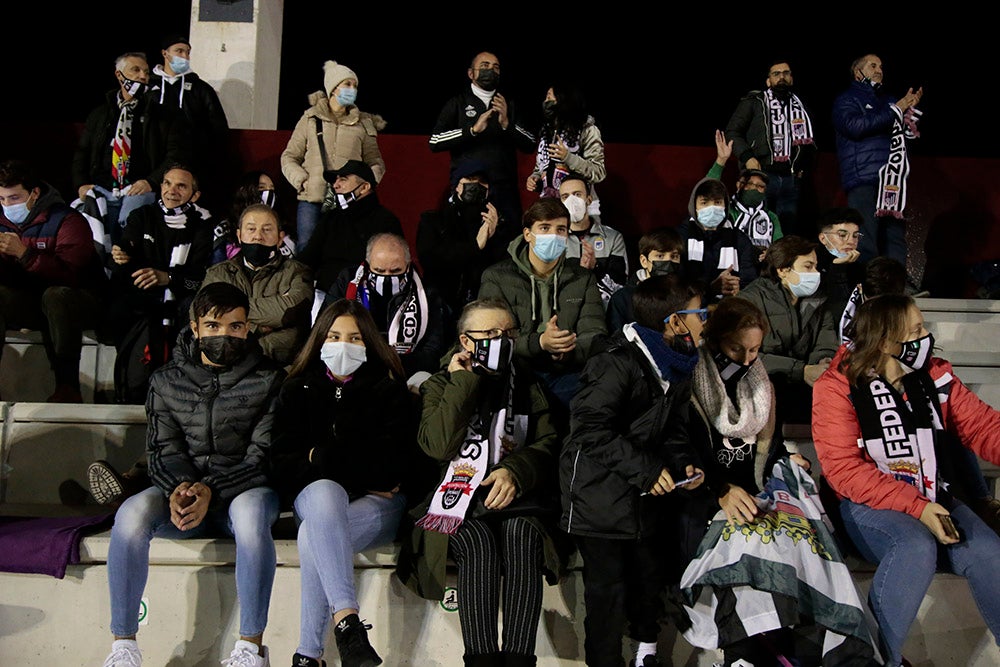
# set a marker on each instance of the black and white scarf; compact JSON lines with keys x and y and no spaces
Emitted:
{"x":790,"y":125}
{"x":490,"y":437}
{"x":553,"y":172}
{"x":754,"y":222}
{"x":724,"y":236}
{"x":178,"y":218}
{"x":900,"y":434}
{"x":408,"y":324}
{"x":853,"y":303}
{"x":891,"y":200}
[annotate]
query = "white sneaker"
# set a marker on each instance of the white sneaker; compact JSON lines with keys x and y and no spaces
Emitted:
{"x":124,"y":653}
{"x":245,"y":655}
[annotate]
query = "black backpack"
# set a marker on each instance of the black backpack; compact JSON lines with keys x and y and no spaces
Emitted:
{"x":135,"y":362}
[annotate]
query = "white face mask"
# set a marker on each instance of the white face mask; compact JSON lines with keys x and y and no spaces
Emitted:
{"x":807,"y":285}
{"x":577,"y":207}
{"x":343,"y":358}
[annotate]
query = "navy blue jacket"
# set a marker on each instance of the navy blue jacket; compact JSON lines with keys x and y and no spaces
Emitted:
{"x":862,"y":123}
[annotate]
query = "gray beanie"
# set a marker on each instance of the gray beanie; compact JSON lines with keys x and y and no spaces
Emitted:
{"x":334,"y":74}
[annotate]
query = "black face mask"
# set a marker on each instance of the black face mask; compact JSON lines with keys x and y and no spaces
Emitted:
{"x":267,"y":197}
{"x":782,"y":91}
{"x":258,"y":255}
{"x":549,"y":109}
{"x":487,"y":79}
{"x":663,"y":267}
{"x":730,"y":371}
{"x":223,"y":350}
{"x":474,"y":194}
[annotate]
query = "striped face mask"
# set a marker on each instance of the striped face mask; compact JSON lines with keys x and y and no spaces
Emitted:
{"x":916,"y":354}
{"x":492,"y":355}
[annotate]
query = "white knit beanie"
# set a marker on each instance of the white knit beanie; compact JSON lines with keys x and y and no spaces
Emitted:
{"x":334,"y":74}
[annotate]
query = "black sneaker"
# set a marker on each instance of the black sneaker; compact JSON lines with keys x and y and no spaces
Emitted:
{"x":106,"y":484}
{"x":299,"y":660}
{"x":352,"y":642}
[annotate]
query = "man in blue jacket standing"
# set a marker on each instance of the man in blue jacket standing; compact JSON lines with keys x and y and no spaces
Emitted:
{"x":871,"y":133}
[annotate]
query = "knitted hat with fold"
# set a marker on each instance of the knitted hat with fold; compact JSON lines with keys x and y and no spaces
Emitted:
{"x":334,"y":73}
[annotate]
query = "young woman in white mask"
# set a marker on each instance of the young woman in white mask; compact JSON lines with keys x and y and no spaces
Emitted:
{"x":344,"y":441}
{"x":803,"y":336}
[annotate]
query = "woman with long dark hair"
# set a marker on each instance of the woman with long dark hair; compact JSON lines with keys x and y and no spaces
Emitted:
{"x":569,"y":143}
{"x":879,"y":415}
{"x":344,"y":434}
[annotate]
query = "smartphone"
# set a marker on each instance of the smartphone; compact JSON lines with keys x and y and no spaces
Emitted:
{"x":949,"y":526}
{"x":688,"y":480}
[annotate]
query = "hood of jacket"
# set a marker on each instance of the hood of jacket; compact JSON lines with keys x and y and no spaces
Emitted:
{"x":48,"y":197}
{"x":691,"y":210}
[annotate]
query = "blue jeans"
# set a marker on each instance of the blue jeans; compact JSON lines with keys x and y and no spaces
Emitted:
{"x":881,"y":236}
{"x":120,"y":208}
{"x":332,"y":529}
{"x":783,"y":198}
{"x":908,"y":555}
{"x":248,"y":518}
{"x":306,"y":217}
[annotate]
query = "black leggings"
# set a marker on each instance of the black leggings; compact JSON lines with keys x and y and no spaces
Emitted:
{"x":485,"y":553}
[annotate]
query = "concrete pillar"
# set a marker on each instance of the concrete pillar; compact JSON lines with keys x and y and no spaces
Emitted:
{"x":236,"y":47}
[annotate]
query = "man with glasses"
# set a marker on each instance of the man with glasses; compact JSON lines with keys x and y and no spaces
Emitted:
{"x":840,"y":265}
{"x":771,"y":131}
{"x":482,"y":124}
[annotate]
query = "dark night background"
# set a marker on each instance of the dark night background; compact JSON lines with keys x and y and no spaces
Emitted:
{"x":650,"y":76}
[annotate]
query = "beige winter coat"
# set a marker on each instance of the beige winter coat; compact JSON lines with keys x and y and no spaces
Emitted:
{"x":352,"y":136}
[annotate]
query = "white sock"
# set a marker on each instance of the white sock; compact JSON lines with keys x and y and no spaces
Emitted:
{"x":644,"y":649}
{"x":124,"y":643}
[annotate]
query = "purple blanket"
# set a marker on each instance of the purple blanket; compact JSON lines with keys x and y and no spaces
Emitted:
{"x":34,"y":545}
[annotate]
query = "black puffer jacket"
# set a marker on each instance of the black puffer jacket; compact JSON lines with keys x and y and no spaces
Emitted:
{"x":362,"y":434}
{"x":211,"y":425}
{"x":624,"y":430}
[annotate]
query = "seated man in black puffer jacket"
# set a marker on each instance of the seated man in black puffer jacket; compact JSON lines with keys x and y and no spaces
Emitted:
{"x":210,"y":413}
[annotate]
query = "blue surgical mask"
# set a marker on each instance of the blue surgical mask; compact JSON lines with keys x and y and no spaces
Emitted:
{"x":347,"y":96}
{"x":807,"y":285}
{"x":549,"y":247}
{"x":839,"y":254}
{"x":17,"y":213}
{"x":180,"y":65}
{"x":711,"y":216}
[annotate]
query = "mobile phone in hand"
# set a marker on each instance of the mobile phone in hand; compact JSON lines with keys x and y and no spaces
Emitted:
{"x":949,"y":526}
{"x":694,"y":478}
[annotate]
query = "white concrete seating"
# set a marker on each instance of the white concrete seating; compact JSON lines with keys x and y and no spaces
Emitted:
{"x":47,"y":448}
{"x":190,"y":599}
{"x":25,"y":374}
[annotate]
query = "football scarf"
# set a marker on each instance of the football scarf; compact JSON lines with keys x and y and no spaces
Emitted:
{"x":490,"y":437}
{"x":891,"y":199}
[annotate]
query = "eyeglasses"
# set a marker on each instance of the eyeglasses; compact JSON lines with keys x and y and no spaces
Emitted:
{"x":702,"y":313}
{"x":843,"y":234}
{"x":482,"y":334}
{"x":759,"y":187}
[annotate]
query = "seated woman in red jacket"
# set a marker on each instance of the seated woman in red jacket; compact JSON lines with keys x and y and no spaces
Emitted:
{"x":879,"y":413}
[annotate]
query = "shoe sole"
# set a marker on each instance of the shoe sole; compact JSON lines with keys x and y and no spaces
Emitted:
{"x":105,"y":484}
